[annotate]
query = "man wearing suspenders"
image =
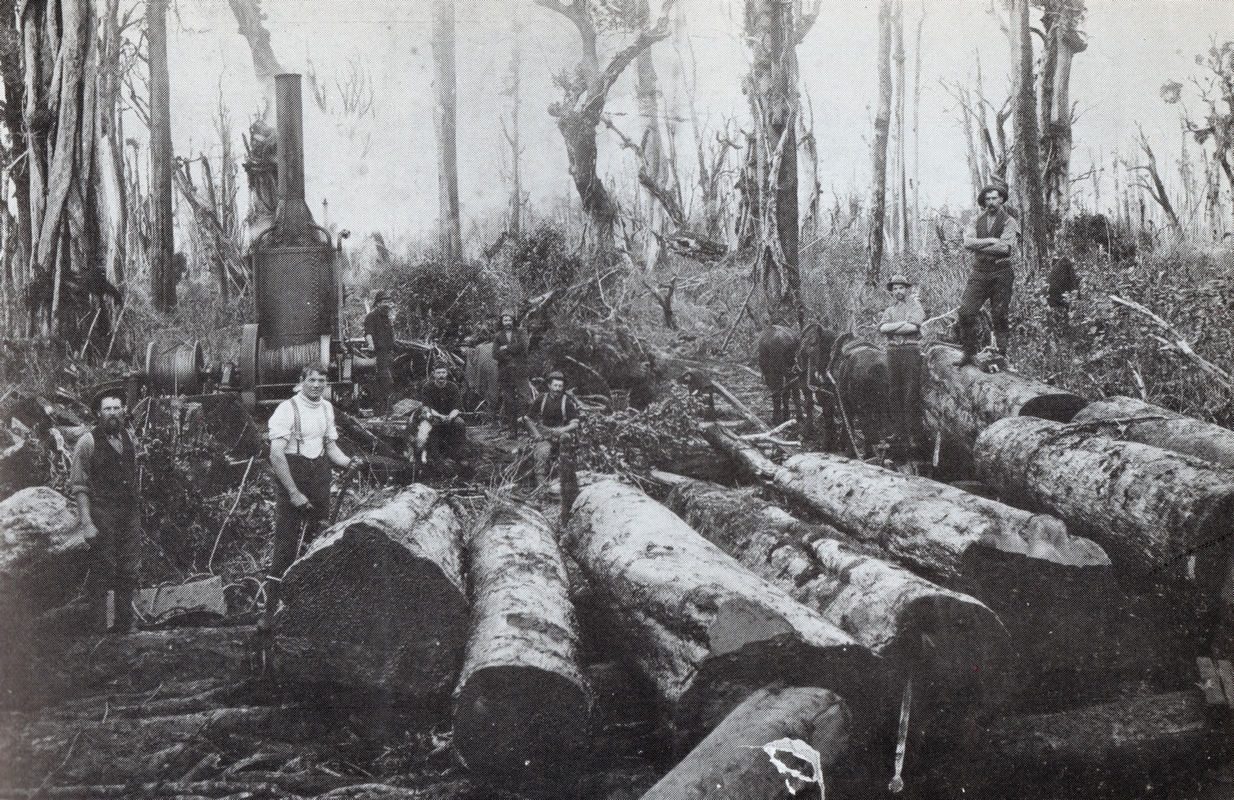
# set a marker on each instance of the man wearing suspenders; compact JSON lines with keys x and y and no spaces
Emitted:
{"x":558,"y":415}
{"x":992,"y":238}
{"x":303,"y":444}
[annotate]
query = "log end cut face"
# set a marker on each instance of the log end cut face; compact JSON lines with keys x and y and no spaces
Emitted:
{"x":368,"y":613}
{"x":512,"y":720}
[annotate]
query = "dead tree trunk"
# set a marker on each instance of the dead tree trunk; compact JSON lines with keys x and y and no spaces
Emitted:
{"x":958,"y":404}
{"x":917,"y":626}
{"x":514,"y":223}
{"x":704,"y":630}
{"x":924,"y":525}
{"x":163,"y":274}
{"x":1026,"y":150}
{"x":1154,"y":185}
{"x":521,"y":705}
{"x":730,"y":761}
{"x":882,"y":125}
{"x":444,"y":123}
{"x":377,"y":602}
{"x":1161,"y":516}
{"x":1136,"y":421}
{"x":250,"y":18}
{"x":1063,"y":43}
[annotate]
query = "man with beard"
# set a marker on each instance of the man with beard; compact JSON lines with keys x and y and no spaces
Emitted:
{"x":105,"y":483}
{"x":303,"y":444}
{"x":379,"y":336}
{"x":992,"y":238}
{"x":509,"y":351}
{"x":442,"y":412}
{"x":553,"y":417}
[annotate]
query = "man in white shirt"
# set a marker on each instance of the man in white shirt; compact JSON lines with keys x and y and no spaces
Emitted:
{"x":303,"y":444}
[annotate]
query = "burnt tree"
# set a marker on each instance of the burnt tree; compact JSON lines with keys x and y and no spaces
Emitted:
{"x":1026,"y":187}
{"x":163,"y":277}
{"x":445,"y":102}
{"x":882,"y":124}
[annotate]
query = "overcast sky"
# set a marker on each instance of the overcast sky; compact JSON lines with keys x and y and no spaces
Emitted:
{"x":379,"y":173}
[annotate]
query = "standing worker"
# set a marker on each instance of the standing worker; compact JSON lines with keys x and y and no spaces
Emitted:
{"x":105,"y":484}
{"x":901,"y":324}
{"x":557,"y":415}
{"x":303,"y":444}
{"x":379,"y":336}
{"x":509,"y":351}
{"x":992,"y":238}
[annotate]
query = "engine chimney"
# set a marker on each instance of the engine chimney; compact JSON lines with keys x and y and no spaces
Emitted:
{"x":293,"y":219}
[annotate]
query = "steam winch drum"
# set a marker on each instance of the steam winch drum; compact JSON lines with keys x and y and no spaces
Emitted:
{"x":176,"y":370}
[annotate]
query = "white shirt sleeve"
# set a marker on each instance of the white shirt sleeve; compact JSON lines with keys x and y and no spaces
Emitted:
{"x":282,"y":421}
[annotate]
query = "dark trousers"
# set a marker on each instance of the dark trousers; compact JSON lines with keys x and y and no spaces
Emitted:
{"x":383,"y":383}
{"x":312,"y":478}
{"x":992,"y":285}
{"x":904,"y":388}
{"x":446,"y":439}
{"x":508,"y":380}
{"x":115,"y":560}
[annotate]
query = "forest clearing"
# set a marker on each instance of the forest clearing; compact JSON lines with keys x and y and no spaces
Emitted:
{"x":696,"y":479}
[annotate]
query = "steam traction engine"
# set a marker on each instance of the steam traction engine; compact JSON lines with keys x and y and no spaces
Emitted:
{"x":298,"y":295}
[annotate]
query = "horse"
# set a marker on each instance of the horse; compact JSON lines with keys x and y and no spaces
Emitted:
{"x":777,"y":354}
{"x":813,"y":387}
{"x":857,"y":369}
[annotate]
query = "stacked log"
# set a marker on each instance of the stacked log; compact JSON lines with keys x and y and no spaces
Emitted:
{"x":377,"y":602}
{"x":704,"y":630}
{"x":1159,"y":514}
{"x":959,"y":403}
{"x":937,"y":634}
{"x":521,"y":704}
{"x":730,"y":761}
{"x":1137,"y":421}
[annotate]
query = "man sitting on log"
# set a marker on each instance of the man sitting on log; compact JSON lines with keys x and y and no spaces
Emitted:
{"x":992,"y":238}
{"x":901,"y":324}
{"x":552,"y":418}
{"x":105,"y":483}
{"x":303,"y":443}
{"x":442,"y":433}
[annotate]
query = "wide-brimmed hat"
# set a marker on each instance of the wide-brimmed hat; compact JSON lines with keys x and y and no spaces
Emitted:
{"x":993,"y":187}
{"x":380,"y":297}
{"x":898,"y":280}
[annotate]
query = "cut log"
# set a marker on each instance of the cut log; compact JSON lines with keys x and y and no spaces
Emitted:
{"x":730,"y":762}
{"x":377,"y":603}
{"x":1157,"y":513}
{"x":521,"y":706}
{"x":705,"y":630}
{"x":924,"y":525}
{"x":960,"y":403}
{"x":1136,"y":421}
{"x":952,"y":643}
{"x":42,"y":555}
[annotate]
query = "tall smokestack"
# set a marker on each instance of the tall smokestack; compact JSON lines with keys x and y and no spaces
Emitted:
{"x":293,"y":218}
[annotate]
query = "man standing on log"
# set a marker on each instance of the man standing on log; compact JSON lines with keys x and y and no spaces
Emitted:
{"x":901,"y":324}
{"x":303,"y":443}
{"x":379,"y":336}
{"x":105,"y":484}
{"x":509,"y":350}
{"x":443,"y":408}
{"x":992,"y":239}
{"x":554,"y":416}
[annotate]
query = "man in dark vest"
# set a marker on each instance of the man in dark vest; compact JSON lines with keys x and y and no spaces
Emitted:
{"x":379,"y":336}
{"x":446,"y":433}
{"x":553,"y":417}
{"x":992,"y":239}
{"x":509,"y":351}
{"x":105,"y":484}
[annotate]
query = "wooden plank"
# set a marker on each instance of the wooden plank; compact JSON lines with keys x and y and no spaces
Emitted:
{"x":1209,"y":682}
{"x":1227,"y":680}
{"x":740,"y":406}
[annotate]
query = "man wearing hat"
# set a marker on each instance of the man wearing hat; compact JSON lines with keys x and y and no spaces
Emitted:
{"x":992,"y":238}
{"x":901,"y":324}
{"x":105,"y":484}
{"x":443,"y":410}
{"x":379,"y":335}
{"x":509,"y":350}
{"x":557,"y":415}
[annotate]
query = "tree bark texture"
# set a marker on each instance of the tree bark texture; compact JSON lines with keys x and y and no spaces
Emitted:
{"x":704,"y":629}
{"x":1152,"y":510}
{"x":1026,"y":149}
{"x":730,"y":762}
{"x":917,"y":626}
{"x":521,"y":705}
{"x":882,"y":125}
{"x":163,"y":277}
{"x":1063,"y":42}
{"x":959,"y":403}
{"x":377,"y":602}
{"x":445,"y":105}
{"x":250,"y":20}
{"x":771,"y":88}
{"x":922,"y":524}
{"x":1137,"y":421}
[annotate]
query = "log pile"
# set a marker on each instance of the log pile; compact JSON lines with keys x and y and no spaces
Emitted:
{"x":703,"y":629}
{"x":1137,"y":421}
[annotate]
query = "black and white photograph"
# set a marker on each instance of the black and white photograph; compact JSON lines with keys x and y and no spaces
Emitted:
{"x":617,"y":399}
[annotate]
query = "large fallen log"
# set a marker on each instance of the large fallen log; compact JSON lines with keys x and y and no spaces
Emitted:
{"x":42,"y":555}
{"x":705,"y":630}
{"x":958,"y":404}
{"x":521,"y":705}
{"x":1157,"y":513}
{"x":730,"y":761}
{"x":1136,"y":421}
{"x":922,"y":524}
{"x":377,"y":603}
{"x":937,"y":634}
